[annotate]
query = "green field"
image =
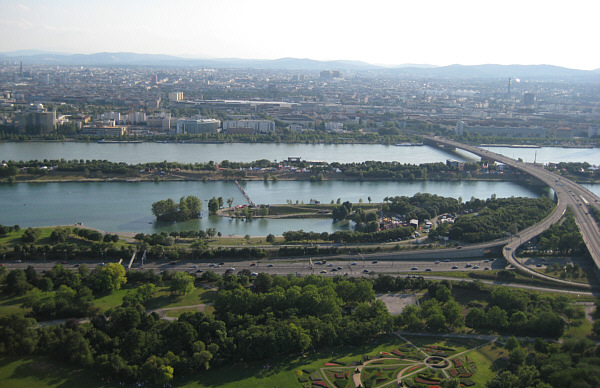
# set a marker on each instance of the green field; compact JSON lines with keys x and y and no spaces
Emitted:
{"x":34,"y":372}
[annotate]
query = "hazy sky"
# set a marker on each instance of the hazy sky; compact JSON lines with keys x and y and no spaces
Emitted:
{"x":438,"y":32}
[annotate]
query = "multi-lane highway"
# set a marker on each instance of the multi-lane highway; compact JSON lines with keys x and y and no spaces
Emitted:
{"x":568,"y":193}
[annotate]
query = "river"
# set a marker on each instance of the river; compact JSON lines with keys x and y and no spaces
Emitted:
{"x":126,"y":207}
{"x":133,"y":153}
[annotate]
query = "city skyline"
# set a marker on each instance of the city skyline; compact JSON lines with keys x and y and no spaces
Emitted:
{"x":436,"y":32}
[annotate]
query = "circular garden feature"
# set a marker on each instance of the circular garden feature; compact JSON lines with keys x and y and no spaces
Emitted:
{"x":437,"y":362}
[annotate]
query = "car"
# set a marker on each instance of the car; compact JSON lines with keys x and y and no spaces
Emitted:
{"x":101,"y":264}
{"x":221,"y":263}
{"x":334,"y":270}
{"x":330,"y":265}
{"x":62,"y":262}
{"x":76,"y":265}
{"x":339,"y":268}
{"x":212,"y":265}
{"x":486,"y":261}
{"x":468,"y":265}
{"x":199,"y":271}
{"x":173,"y":263}
{"x":252,"y":264}
{"x":318,"y":262}
{"x":447,"y":261}
{"x":459,"y":247}
{"x":365,"y":271}
{"x":486,"y":269}
{"x":270,"y":265}
{"x":253,"y":274}
{"x":454,"y":267}
{"x":437,"y":262}
{"x":353,"y":263}
{"x":323,"y":271}
{"x":414,"y":268}
{"x":374,"y":262}
{"x":427,"y":269}
{"x":194,"y":266}
{"x":538,"y":265}
{"x":475,"y":267}
{"x":231,"y":269}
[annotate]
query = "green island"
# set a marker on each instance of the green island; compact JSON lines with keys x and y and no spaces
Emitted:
{"x":102,"y":170}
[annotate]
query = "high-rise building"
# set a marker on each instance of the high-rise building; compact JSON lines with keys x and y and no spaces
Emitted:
{"x":176,"y":96}
{"x":195,"y":126}
{"x":36,"y":119}
{"x":528,"y":99}
{"x":258,"y":126}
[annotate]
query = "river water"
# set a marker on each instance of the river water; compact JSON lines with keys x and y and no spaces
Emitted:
{"x":244,"y":152}
{"x":123,"y":206}
{"x":126,"y":207}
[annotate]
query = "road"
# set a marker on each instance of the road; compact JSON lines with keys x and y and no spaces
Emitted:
{"x":568,"y":193}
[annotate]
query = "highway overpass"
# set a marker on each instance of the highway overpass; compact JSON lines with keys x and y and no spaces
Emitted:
{"x":568,"y":194}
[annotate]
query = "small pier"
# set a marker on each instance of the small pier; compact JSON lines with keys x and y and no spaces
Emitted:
{"x":244,"y":193}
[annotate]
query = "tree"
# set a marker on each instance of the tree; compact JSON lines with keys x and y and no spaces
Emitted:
{"x":516,"y":357}
{"x":210,"y":232}
{"x":181,"y":283}
{"x":213,"y":205}
{"x":511,"y":343}
{"x":270,"y":238}
{"x":45,"y":284}
{"x":107,"y":279}
{"x":16,"y":282}
{"x":230,"y":202}
{"x":156,"y":371}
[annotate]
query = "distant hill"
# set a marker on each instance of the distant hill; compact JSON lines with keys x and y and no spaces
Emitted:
{"x":409,"y":70}
{"x":493,"y":71}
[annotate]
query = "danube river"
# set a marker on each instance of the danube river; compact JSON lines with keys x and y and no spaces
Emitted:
{"x":246,"y":152}
{"x":126,"y":207}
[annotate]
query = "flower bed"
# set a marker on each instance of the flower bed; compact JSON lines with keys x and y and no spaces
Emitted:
{"x":453,"y":372}
{"x":413,"y":368}
{"x":331,"y":364}
{"x":467,"y":382}
{"x":422,"y":380}
{"x":458,"y":363}
{"x":315,"y":377}
{"x":398,"y":353}
{"x":320,"y":384}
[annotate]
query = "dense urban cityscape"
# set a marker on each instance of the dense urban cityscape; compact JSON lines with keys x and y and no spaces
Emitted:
{"x":167,"y":221}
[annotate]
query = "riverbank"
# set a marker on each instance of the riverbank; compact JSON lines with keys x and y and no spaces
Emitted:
{"x":244,"y":175}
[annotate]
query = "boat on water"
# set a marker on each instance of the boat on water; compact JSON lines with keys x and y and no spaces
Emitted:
{"x":524,"y":146}
{"x":409,"y":144}
{"x":118,"y":141}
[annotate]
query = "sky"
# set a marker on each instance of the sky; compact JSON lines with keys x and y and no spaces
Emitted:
{"x":436,"y":32}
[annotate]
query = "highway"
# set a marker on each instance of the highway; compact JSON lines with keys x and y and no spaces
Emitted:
{"x":568,"y":193}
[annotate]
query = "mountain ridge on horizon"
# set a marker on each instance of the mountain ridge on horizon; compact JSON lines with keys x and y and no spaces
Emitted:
{"x":290,"y":63}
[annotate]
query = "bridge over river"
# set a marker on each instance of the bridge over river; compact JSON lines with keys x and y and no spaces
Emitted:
{"x":568,"y":194}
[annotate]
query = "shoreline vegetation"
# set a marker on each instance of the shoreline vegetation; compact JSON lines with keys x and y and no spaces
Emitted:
{"x":49,"y":171}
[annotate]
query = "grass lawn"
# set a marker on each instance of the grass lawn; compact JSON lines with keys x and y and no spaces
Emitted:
{"x":164,"y":298}
{"x":485,"y":368}
{"x":34,"y":372}
{"x":579,"y":331}
{"x":115,"y":299}
{"x":458,"y":344}
{"x":12,"y":304}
